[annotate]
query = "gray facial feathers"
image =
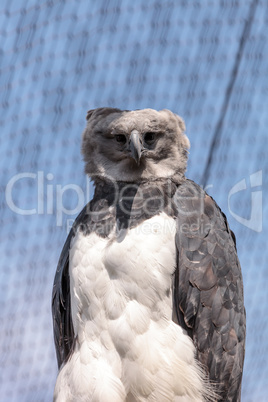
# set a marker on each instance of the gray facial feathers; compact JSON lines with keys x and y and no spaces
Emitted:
{"x":108,"y":151}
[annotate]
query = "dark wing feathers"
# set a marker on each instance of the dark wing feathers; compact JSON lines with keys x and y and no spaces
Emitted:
{"x":208,"y":292}
{"x":61,"y":308}
{"x":61,"y":300}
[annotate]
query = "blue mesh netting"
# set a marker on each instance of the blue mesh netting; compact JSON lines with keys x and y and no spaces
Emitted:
{"x":206,"y":61}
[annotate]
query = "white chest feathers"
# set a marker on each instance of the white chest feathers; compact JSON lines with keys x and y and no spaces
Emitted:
{"x":127,"y":346}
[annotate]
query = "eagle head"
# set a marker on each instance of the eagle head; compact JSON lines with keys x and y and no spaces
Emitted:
{"x":133,"y":146}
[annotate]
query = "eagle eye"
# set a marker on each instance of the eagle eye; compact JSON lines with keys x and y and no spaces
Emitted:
{"x":149,"y":138}
{"x":120,"y":138}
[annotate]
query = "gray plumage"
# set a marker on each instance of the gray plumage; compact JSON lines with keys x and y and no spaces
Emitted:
{"x":135,"y":183}
{"x":104,"y":156}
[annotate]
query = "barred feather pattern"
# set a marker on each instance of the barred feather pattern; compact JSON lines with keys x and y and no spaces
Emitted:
{"x":209,"y":290}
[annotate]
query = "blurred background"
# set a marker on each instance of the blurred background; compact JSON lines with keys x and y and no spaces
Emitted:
{"x":206,"y":61}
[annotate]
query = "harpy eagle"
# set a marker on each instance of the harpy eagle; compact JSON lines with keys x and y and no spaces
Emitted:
{"x":148,"y":294}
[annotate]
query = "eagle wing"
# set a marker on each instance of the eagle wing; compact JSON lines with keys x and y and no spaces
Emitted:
{"x":208,"y":291}
{"x":95,"y":216}
{"x":64,"y":337}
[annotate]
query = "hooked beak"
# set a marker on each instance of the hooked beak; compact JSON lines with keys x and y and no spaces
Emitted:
{"x":135,"y":146}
